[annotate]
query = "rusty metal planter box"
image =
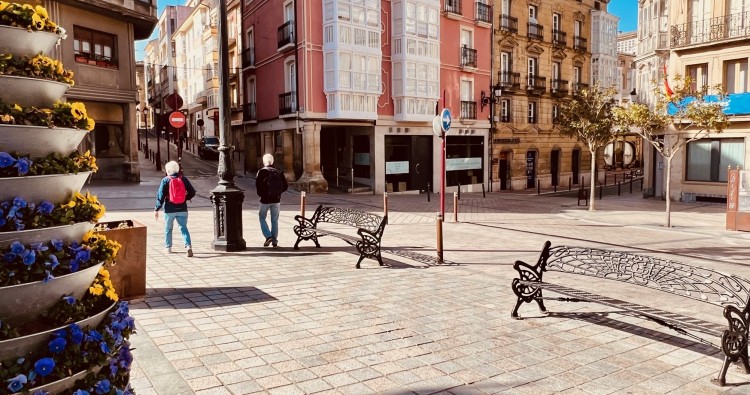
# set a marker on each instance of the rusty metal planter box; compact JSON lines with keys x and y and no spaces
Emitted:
{"x":129,"y":272}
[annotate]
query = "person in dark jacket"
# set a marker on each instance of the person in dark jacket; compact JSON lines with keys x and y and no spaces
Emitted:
{"x":269,"y":201}
{"x":174,"y":211}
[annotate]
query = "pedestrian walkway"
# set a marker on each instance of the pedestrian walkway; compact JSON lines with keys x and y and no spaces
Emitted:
{"x":284,"y":321}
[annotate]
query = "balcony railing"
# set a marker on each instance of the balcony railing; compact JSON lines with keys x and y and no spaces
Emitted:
{"x":287,"y":103}
{"x":559,"y":88}
{"x":248,"y":112}
{"x":559,"y":38}
{"x":509,"y":80}
{"x":483,"y":13}
{"x":468,"y":110}
{"x":452,"y":6}
{"x":285,"y":34}
{"x":248,"y":57}
{"x":656,"y":42}
{"x":508,"y":24}
{"x":579,"y":86}
{"x":468,"y":57}
{"x":579,"y":43}
{"x":536,"y":84}
{"x":536,"y":31}
{"x":714,"y":29}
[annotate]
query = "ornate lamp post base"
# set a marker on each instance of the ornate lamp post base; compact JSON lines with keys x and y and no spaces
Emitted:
{"x":227,"y":203}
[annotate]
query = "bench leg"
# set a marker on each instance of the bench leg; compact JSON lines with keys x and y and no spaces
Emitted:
{"x":296,"y":245}
{"x":722,"y":379}
{"x":526,"y":294}
{"x":361,"y":257}
{"x":380,"y":259}
{"x":315,"y":240}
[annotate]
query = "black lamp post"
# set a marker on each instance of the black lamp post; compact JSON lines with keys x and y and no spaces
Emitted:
{"x":226,"y":197}
{"x":158,"y":132}
{"x":149,"y":116}
{"x":138,"y":125}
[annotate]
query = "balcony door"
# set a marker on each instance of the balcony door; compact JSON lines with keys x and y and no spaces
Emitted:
{"x":505,"y":7}
{"x":700,"y":16}
{"x":289,"y":12}
{"x":739,"y":11}
{"x":531,"y":71}
{"x":505,"y":67}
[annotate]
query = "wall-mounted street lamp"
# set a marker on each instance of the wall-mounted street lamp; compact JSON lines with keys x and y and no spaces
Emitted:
{"x":497,"y":91}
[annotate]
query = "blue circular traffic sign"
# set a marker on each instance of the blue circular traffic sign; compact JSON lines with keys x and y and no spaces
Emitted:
{"x":445,"y":120}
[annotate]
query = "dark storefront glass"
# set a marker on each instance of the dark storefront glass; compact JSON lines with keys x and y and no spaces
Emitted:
{"x":464,"y":159}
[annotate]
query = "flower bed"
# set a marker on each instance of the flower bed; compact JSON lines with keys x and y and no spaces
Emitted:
{"x":18,"y":214}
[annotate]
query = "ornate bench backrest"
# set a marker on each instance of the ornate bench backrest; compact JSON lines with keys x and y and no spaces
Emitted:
{"x":703,"y":284}
{"x":351,"y":217}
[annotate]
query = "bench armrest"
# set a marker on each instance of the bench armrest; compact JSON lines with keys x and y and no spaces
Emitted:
{"x":304,"y":222}
{"x":364,"y":233}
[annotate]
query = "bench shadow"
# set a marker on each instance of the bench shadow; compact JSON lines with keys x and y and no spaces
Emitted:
{"x":672,"y":338}
{"x":189,"y":298}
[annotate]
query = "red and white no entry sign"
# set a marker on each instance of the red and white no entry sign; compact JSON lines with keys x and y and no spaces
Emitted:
{"x":177,"y":119}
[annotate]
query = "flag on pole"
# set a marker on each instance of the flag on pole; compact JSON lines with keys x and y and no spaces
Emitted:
{"x":667,"y":89}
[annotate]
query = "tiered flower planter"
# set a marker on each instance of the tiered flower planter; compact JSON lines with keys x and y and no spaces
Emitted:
{"x":29,"y":304}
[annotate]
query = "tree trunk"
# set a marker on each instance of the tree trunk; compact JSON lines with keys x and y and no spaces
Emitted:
{"x":667,"y":189}
{"x":592,"y":194}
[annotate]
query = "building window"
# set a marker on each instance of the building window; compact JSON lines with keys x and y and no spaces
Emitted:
{"x":464,"y":160}
{"x":735,"y":76}
{"x":505,"y":110}
{"x":94,"y":47}
{"x":708,"y":159}
{"x":532,"y":112}
{"x":698,"y":74}
{"x":555,"y":113}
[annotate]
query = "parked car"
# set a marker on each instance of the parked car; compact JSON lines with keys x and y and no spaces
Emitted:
{"x":208,"y":146}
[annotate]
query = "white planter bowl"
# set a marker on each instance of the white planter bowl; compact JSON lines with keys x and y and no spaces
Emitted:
{"x":39,"y":141}
{"x":55,"y":188}
{"x":25,"y":345}
{"x":26,"y":91}
{"x":20,"y":42}
{"x":66,"y":233}
{"x":27,"y":302}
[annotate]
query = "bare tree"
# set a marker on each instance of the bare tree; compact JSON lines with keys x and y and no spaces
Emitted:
{"x":587,"y":116}
{"x":685,"y":113}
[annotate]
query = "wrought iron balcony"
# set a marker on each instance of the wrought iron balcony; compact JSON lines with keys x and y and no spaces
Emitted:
{"x":509,"y":80}
{"x":508,"y":24}
{"x":285,"y":34}
{"x":468,"y":110}
{"x":536,"y":84}
{"x":579,"y":43}
{"x":720,"y":28}
{"x":579,"y":86}
{"x":536,"y":31}
{"x":452,"y":6}
{"x":559,"y":88}
{"x":483,"y":13}
{"x":248,"y":57}
{"x":287,"y":103}
{"x":559,"y":38}
{"x":468,"y":57}
{"x":248,"y":112}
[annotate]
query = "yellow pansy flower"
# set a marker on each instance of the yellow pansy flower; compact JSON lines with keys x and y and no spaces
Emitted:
{"x":70,"y":204}
{"x":78,"y":110}
{"x":37,"y":22}
{"x":3,"y":5}
{"x":96,"y":289}
{"x":41,"y":12}
{"x":16,"y":107}
{"x":91,"y":124}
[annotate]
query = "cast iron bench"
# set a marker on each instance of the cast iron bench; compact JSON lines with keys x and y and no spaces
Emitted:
{"x":369,"y":228}
{"x":698,"y":283}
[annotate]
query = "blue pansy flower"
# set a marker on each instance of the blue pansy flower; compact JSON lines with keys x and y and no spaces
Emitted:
{"x":29,"y":257}
{"x":16,"y":383}
{"x":102,"y":387}
{"x":76,"y":334}
{"x":23,"y":166}
{"x":20,"y":225}
{"x":41,"y":392}
{"x":38,"y":246}
{"x":104,"y":347}
{"x":20,"y":361}
{"x":45,"y":207}
{"x":6,"y":160}
{"x":52,"y":263}
{"x":58,"y":244}
{"x":17,"y":247}
{"x":44,"y":366}
{"x":69,"y":299}
{"x":94,"y":335}
{"x":32,"y":375}
{"x":9,"y":257}
{"x":2,"y":220}
{"x":48,"y":277}
{"x":57,"y":345}
{"x":19,"y":202}
{"x":81,"y":392}
{"x":74,"y":264}
{"x":83,"y":255}
{"x":75,"y":246}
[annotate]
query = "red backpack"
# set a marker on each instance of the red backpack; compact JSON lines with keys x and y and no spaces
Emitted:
{"x":177,"y":191}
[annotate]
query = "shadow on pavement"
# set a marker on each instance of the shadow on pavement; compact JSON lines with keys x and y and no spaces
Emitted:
{"x":204,"y":296}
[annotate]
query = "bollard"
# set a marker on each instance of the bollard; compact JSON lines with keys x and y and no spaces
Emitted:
{"x":554,"y":187}
{"x":642,"y":184}
{"x":618,"y":188}
{"x":428,"y":192}
{"x":483,"y":195}
{"x":538,"y":187}
{"x":439,"y":233}
{"x":570,"y":183}
{"x":302,"y":203}
{"x":352,"y":180}
{"x":385,"y":203}
{"x":455,"y":206}
{"x":631,"y":184}
{"x":601,"y":192}
{"x":582,"y":182}
{"x":605,"y":179}
{"x":459,"y":190}
{"x":337,"y":176}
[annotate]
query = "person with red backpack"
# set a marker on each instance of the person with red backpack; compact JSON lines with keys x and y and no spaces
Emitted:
{"x":174,"y":192}
{"x":270,"y":183}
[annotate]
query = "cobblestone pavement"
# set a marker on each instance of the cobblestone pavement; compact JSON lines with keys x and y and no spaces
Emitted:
{"x":281,"y":321}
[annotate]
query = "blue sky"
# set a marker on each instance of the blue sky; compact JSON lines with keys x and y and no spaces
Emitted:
{"x":627,"y":10}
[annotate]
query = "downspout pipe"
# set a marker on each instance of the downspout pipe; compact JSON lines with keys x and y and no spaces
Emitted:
{"x":492,"y":100}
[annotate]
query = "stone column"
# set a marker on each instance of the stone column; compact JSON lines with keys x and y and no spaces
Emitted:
{"x":287,"y":138}
{"x":312,"y":180}
{"x":131,"y":172}
{"x":251,"y":152}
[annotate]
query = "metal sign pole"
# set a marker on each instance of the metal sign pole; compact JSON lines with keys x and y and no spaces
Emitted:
{"x":442,"y":177}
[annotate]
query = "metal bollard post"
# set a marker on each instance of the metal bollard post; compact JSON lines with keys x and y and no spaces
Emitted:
{"x":459,"y":190}
{"x":337,"y":176}
{"x":538,"y":187}
{"x":618,"y":188}
{"x":642,"y":178}
{"x":385,"y":203}
{"x":570,"y":183}
{"x":428,"y":192}
{"x":439,"y":233}
{"x":302,"y":197}
{"x":352,"y":180}
{"x":631,"y":184}
{"x":605,"y":179}
{"x":455,"y":207}
{"x":615,"y":178}
{"x":582,"y":182}
{"x":483,"y":195}
{"x":601,"y":192}
{"x":555,"y":188}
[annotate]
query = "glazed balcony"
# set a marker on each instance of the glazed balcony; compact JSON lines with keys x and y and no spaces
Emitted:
{"x":712,"y":30}
{"x":509,"y":80}
{"x":508,"y":24}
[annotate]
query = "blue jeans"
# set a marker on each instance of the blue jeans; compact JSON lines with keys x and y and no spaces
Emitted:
{"x":274,"y":232}
{"x":182,"y":218}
